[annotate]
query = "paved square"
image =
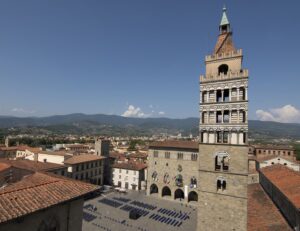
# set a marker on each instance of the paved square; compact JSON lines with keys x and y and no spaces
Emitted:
{"x":110,"y":212}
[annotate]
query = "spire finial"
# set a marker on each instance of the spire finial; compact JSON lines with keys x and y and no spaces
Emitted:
{"x":224,"y":20}
{"x":224,"y":8}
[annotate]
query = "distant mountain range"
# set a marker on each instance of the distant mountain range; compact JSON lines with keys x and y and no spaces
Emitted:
{"x":101,"y":124}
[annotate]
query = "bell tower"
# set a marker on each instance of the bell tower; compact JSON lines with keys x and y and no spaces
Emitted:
{"x":223,"y":147}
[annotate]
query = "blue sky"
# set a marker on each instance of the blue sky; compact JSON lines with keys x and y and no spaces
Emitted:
{"x":67,"y":56}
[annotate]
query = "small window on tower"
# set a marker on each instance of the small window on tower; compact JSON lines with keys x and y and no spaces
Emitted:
{"x":223,"y":69}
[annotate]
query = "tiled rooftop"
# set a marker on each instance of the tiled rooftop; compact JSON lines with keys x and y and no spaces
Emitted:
{"x":130,"y":166}
{"x":263,"y":215}
{"x":138,"y":155}
{"x":116,"y":155}
{"x":32,"y":165}
{"x":83,"y":158}
{"x":224,"y":44}
{"x":56,"y":153}
{"x":286,"y":180}
{"x":275,"y":147}
{"x":4,"y":166}
{"x":39,"y":191}
{"x":175,"y":144}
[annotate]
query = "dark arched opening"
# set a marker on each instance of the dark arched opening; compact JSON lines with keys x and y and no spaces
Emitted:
{"x":193,"y":196}
{"x":153,"y":189}
{"x":223,"y":69}
{"x":179,"y":194}
{"x":166,"y":191}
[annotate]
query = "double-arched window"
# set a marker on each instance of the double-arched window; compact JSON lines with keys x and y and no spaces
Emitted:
{"x":222,"y":161}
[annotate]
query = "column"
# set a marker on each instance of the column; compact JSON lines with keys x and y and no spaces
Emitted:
{"x":215,"y":138}
{"x":222,"y":95}
{"x":215,"y":117}
{"x":246,"y":93}
{"x":229,"y":137}
{"x":222,"y":117}
{"x":238,"y":116}
{"x":215,"y":93}
{"x":230,"y":116}
{"x":207,"y":97}
{"x":238,"y":93}
{"x":207,"y":135}
{"x":229,"y":94}
{"x":238,"y":137}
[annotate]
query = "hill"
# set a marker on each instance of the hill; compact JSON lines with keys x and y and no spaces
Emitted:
{"x":119,"y":125}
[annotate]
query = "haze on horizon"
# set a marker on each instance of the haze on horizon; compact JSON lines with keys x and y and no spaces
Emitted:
{"x":141,"y":59}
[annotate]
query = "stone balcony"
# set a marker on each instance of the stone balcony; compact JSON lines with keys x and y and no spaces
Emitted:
{"x":230,"y":75}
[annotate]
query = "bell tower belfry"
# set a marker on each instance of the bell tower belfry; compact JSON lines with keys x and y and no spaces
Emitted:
{"x":223,"y":147}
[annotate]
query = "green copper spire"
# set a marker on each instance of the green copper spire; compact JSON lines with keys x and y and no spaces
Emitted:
{"x":224,"y":20}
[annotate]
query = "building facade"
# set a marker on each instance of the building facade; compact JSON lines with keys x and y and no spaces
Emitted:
{"x":86,"y":167}
{"x":223,"y":148}
{"x":129,"y":175}
{"x":27,"y":205}
{"x":173,"y":170}
{"x":262,"y":151}
{"x":102,"y":149}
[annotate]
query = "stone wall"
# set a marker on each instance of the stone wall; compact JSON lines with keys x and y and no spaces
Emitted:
{"x":67,"y":217}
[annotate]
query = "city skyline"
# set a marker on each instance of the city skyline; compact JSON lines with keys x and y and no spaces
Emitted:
{"x":140,"y":59}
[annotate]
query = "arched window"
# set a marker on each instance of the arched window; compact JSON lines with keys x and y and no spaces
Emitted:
{"x":179,"y":194}
{"x":221,"y":184}
{"x":153,"y":189}
{"x":166,"y":191}
{"x":193,"y":196}
{"x":222,"y":161}
{"x":223,"y":69}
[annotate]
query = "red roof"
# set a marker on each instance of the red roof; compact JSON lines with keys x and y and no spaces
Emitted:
{"x":224,"y":44}
{"x":180,"y":144}
{"x":83,"y":158}
{"x":263,"y":215}
{"x":136,"y":166}
{"x":286,"y":180}
{"x":37,"y":192}
{"x":32,"y":165}
{"x":4,"y":166}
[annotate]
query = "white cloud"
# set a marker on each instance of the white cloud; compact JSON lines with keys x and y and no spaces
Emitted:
{"x":22,"y":110}
{"x":134,"y":112}
{"x":285,"y":114}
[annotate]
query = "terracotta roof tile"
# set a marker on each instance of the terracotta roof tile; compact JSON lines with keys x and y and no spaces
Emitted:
{"x":286,"y":180}
{"x":83,"y":158}
{"x":32,"y":165}
{"x":175,"y":144}
{"x":39,"y":191}
{"x":130,"y":166}
{"x":4,"y":166}
{"x":56,"y":153}
{"x":224,"y":44}
{"x":138,"y":155}
{"x":262,"y":213}
{"x":270,"y":157}
{"x":271,"y":146}
{"x":116,"y":155}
